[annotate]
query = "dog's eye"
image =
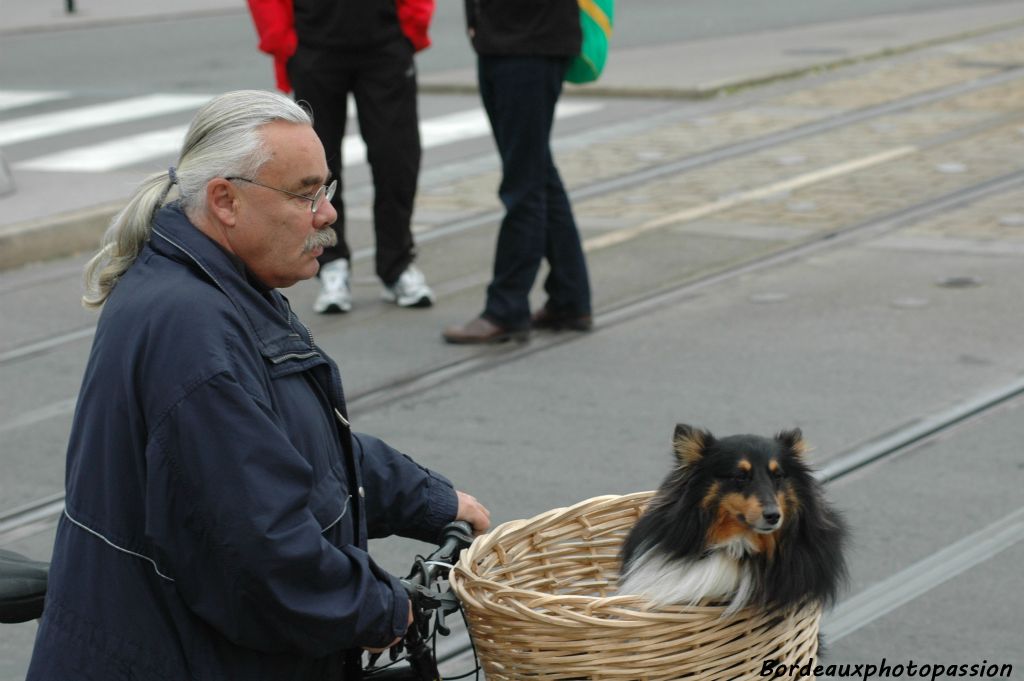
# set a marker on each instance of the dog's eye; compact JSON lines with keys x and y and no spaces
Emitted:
{"x":778,"y":474}
{"x":741,"y":476}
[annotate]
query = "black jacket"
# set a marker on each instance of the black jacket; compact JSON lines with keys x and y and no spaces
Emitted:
{"x":543,"y":28}
{"x":218,"y":505}
{"x":346,"y":24}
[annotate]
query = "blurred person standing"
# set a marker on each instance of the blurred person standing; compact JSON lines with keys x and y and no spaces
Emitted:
{"x":524,"y":48}
{"x":325,"y":50}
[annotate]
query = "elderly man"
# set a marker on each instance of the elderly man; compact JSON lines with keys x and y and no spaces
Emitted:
{"x":218,"y":505}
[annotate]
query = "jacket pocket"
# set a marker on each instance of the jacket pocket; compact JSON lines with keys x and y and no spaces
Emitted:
{"x":332,"y":505}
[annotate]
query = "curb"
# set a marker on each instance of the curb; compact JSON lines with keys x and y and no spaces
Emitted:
{"x":733,"y":85}
{"x":75,"y":22}
{"x":55,"y":237}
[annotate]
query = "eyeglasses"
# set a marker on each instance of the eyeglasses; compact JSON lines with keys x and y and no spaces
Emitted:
{"x":325,"y":192}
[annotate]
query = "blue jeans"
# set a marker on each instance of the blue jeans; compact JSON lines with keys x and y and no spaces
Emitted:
{"x":519,"y":95}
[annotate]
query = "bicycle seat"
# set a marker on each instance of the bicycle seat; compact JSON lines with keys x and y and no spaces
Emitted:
{"x":22,"y":587}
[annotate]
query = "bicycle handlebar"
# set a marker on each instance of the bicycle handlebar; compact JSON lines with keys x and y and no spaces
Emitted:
{"x":455,"y":536}
{"x":427,"y":603}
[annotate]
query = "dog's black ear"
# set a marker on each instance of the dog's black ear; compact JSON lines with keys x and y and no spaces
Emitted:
{"x":793,"y":440}
{"x":690,"y":443}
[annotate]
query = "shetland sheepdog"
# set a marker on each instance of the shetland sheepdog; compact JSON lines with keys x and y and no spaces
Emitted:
{"x":739,"y":521}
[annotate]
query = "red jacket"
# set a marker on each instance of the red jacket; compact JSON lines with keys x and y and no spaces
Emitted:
{"x":275,"y":24}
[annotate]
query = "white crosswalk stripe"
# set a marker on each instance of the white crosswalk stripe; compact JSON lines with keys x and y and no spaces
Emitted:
{"x":133,"y":149}
{"x":106,"y":156}
{"x":462,"y":125}
{"x":12,"y":99}
{"x":60,"y":122}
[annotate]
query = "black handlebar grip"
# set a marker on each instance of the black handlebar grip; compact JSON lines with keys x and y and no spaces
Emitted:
{"x":459,"y":529}
{"x":455,"y":536}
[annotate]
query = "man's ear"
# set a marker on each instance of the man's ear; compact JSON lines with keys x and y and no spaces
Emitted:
{"x":690,"y":444}
{"x":222,"y":201}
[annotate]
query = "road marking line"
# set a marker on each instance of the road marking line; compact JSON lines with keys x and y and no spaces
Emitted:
{"x":44,"y":345}
{"x":127,"y":151}
{"x":441,"y":130}
{"x":739,"y":198}
{"x":48,"y":412}
{"x":61,"y":122}
{"x":12,"y":99}
{"x":906,"y":585}
{"x":112,"y":155}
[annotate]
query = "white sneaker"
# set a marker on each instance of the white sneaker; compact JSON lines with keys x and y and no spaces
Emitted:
{"x":410,"y":290}
{"x":335,"y":294}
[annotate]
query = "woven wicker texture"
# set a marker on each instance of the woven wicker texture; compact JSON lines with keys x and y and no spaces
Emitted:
{"x":539,"y":598}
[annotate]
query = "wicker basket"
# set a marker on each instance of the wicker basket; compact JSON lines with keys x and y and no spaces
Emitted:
{"x":538,"y":595}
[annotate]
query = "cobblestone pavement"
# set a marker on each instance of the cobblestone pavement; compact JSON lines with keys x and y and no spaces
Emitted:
{"x":948,"y":144}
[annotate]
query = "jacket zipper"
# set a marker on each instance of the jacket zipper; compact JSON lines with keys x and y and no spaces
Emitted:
{"x":308,"y":339}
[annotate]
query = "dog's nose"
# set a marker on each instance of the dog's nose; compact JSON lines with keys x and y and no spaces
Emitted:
{"x":771,"y":517}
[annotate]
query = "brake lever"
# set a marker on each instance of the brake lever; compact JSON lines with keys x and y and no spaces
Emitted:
{"x":423,"y":597}
{"x":439,"y":624}
{"x":448,"y":603}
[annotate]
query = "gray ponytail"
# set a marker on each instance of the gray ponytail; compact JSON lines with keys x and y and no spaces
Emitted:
{"x":224,"y":139}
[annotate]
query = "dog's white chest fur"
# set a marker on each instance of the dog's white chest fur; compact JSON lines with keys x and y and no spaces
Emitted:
{"x":719,"y":576}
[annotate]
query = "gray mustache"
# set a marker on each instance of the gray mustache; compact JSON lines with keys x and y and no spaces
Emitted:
{"x":324,"y":238}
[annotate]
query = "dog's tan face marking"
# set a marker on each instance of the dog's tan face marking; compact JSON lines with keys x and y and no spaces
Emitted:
{"x":766,"y":543}
{"x":711,"y":497}
{"x":744,"y":465}
{"x":725,"y":527}
{"x":773,"y":466}
{"x":748,"y":511}
{"x":744,"y":508}
{"x":728,"y":525}
{"x":792,"y":506}
{"x":783,"y":498}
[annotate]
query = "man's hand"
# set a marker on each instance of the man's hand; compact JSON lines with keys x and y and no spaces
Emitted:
{"x":473,"y":512}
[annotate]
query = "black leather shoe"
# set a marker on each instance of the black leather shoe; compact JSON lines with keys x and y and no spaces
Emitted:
{"x":547,"y":320}
{"x":483,"y":330}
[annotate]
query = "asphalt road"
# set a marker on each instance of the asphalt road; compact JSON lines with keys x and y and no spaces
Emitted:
{"x":218,"y":53}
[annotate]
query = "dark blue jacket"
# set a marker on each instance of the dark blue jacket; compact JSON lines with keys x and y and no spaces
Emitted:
{"x":218,"y":506}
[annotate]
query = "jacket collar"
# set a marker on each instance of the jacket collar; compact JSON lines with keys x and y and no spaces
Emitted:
{"x":278,"y":332}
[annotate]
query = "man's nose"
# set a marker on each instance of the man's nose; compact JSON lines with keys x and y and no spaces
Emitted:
{"x":326,"y":215}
